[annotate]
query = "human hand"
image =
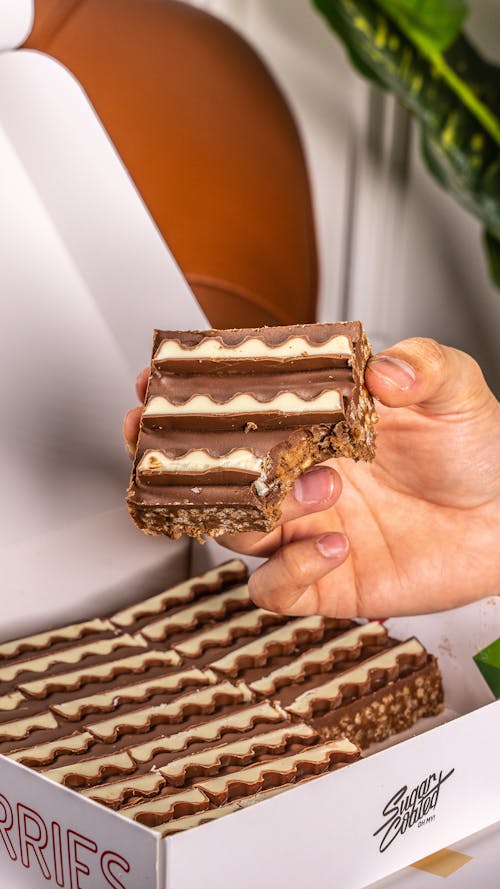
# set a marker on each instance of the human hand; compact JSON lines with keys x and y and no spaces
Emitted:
{"x":415,"y":531}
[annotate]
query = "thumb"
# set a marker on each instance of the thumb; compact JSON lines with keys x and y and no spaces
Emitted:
{"x":422,"y":372}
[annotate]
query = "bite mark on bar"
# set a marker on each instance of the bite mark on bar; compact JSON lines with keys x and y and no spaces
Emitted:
{"x":281,"y":413}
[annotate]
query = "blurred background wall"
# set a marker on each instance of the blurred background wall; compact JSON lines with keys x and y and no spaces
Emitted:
{"x":394,"y":249}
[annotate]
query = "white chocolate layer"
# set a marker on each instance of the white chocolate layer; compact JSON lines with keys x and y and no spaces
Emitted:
{"x":189,"y":821}
{"x":141,"y":719}
{"x":330,"y":400}
{"x":21,"y":728}
{"x":45,"y":753}
{"x":114,"y":791}
{"x":357,"y":676}
{"x":283,"y":765}
{"x":322,"y":655}
{"x":214,"y":606}
{"x":137,"y":692}
{"x":223,"y":633}
{"x":69,"y":656}
{"x":43,"y":640}
{"x":100,"y":672}
{"x":210,"y":730}
{"x":269,"y":741}
{"x":200,"y":461}
{"x":183,"y":592}
{"x":253,"y":347}
{"x":165,"y":806}
{"x":11,"y":701}
{"x":283,"y":636}
{"x":91,"y":769}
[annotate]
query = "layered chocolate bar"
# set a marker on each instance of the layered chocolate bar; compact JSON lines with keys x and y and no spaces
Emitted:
{"x":194,"y":703}
{"x":232,"y":417}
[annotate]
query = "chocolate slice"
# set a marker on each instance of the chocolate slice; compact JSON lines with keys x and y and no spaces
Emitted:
{"x":233,"y":417}
{"x":195,"y":703}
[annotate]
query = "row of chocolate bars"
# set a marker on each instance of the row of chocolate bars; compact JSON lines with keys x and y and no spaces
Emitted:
{"x":195,"y":703}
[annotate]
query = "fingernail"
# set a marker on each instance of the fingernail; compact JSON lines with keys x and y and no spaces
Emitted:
{"x":314,"y":486}
{"x":333,"y":545}
{"x":394,"y":371}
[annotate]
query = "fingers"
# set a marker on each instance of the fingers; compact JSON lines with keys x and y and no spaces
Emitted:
{"x":141,"y":384}
{"x":315,"y":490}
{"x":422,"y":372}
{"x":132,"y":418}
{"x":131,"y":423}
{"x":288,"y":581}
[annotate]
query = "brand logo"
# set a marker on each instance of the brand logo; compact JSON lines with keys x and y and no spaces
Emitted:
{"x":410,"y":808}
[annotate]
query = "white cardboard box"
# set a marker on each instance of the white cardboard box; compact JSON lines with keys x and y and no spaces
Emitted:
{"x":84,"y":278}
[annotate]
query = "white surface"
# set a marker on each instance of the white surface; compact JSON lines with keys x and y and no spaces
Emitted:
{"x":84,"y":278}
{"x":16,"y":21}
{"x":56,"y":837}
{"x":328,"y":827}
{"x":479,"y":873}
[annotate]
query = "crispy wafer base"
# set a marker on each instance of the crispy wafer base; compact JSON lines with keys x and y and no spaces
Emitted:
{"x":387,"y":711}
{"x":258,"y":506}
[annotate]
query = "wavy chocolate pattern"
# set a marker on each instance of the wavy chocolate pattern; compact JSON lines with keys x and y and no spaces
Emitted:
{"x":212,"y":608}
{"x":360,"y":679}
{"x":211,"y":730}
{"x":45,"y":754}
{"x":189,"y":821}
{"x":85,"y":773}
{"x":283,"y":770}
{"x":21,"y":728}
{"x":211,"y":581}
{"x":250,"y":623}
{"x":11,"y":701}
{"x":9,"y":650}
{"x":137,"y":663}
{"x":279,"y":642}
{"x":202,"y":356}
{"x":114,"y":794}
{"x":204,"y":701}
{"x":215,"y":759}
{"x":142,"y":691}
{"x":154,"y":812}
{"x":71,"y":655}
{"x":321,"y":658}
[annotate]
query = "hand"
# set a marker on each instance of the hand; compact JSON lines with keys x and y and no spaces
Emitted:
{"x":415,"y":531}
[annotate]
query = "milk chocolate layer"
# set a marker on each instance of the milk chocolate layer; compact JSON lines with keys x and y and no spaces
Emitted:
{"x":206,"y":703}
{"x":233,"y":417}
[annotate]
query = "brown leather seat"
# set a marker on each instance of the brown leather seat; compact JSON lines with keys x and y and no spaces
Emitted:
{"x":209,"y":142}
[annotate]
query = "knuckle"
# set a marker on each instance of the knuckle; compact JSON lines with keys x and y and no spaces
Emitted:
{"x":433,"y":353}
{"x":294,"y":567}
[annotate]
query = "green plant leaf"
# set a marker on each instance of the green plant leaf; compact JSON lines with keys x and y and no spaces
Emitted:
{"x":455,"y":94}
{"x":437,"y":22}
{"x":492,"y":245}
